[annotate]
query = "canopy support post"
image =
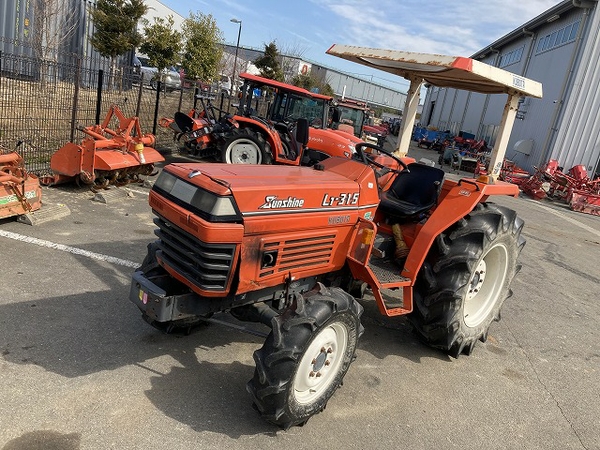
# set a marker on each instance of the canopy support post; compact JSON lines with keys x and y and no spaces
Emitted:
{"x":408,"y":116}
{"x":506,"y":124}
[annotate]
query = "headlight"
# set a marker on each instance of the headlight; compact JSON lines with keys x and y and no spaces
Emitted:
{"x":201,"y":202}
{"x":165,"y":181}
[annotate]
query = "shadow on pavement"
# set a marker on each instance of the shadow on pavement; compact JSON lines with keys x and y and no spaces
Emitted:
{"x":45,"y":440}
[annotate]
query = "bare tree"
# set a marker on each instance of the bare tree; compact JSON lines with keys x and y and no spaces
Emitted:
{"x":290,"y":54}
{"x":54,"y":23}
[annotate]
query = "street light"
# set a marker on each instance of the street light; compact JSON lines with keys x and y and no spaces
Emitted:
{"x":237,"y":48}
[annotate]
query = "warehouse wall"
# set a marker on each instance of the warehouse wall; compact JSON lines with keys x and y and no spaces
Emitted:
{"x":552,"y":54}
{"x":577,"y":139}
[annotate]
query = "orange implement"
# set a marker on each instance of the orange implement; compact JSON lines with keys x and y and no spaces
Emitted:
{"x":107,"y":155}
{"x":20,"y":190}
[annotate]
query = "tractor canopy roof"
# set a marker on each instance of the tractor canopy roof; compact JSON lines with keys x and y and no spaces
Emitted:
{"x":440,"y":70}
{"x":354,"y":104}
{"x":255,"y":79}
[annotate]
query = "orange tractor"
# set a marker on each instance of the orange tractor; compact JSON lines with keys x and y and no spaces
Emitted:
{"x":294,"y":248}
{"x":354,"y":118}
{"x":247,"y":138}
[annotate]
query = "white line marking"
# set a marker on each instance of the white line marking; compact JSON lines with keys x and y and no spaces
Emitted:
{"x":567,"y":218}
{"x":68,"y":249}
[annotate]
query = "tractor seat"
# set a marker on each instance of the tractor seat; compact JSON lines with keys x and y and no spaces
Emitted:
{"x":184,"y":122}
{"x":412,"y":193}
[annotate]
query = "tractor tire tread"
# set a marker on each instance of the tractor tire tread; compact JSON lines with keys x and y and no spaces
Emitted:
{"x":440,"y":289}
{"x":282,"y":351}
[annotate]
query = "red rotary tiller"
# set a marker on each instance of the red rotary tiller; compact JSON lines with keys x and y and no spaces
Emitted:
{"x":20,"y":191}
{"x":107,"y":156}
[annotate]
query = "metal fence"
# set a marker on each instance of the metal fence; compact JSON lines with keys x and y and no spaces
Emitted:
{"x":42,"y":103}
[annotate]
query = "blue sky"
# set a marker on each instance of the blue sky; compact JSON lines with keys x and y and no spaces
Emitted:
{"x":310,"y":27}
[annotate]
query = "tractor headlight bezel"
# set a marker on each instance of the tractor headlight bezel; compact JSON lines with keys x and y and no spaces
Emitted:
{"x":203,"y":203}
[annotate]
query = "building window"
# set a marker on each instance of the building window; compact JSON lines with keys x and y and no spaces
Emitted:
{"x":511,"y":57}
{"x":559,"y":37}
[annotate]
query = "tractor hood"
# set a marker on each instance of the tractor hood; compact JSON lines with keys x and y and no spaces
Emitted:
{"x":332,"y":143}
{"x":339,"y":184}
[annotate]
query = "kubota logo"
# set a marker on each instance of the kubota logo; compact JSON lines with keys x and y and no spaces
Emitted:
{"x":274,"y":202}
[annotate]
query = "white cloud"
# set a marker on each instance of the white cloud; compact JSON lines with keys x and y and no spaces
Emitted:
{"x":237,"y":6}
{"x":442,"y":26}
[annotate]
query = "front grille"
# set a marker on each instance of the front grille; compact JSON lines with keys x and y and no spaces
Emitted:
{"x":304,"y":253}
{"x":208,"y":266}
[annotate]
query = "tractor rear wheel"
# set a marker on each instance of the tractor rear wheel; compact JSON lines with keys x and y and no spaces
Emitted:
{"x":244,"y":147}
{"x":466,"y":278}
{"x":304,"y":359}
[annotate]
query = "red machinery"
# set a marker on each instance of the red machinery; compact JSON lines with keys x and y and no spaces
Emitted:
{"x":512,"y":173}
{"x":106,"y":155}
{"x":20,"y":191}
{"x":577,"y":188}
{"x":574,"y":187}
{"x":249,"y":138}
{"x":585,"y":203}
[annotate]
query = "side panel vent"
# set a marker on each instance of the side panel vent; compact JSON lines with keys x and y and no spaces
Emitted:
{"x":301,"y":253}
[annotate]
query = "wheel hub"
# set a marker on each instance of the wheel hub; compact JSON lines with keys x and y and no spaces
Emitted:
{"x":478,"y":280}
{"x":485,"y":286}
{"x":320,"y":364}
{"x":243,"y":151}
{"x":321,"y":360}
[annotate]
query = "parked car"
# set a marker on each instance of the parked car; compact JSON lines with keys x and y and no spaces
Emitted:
{"x":222,"y":85}
{"x":170,"y":78}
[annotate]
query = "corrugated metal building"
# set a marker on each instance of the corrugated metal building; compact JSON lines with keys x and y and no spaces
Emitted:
{"x":360,"y":88}
{"x":561,"y":49}
{"x":63,"y":27}
{"x":53,"y":32}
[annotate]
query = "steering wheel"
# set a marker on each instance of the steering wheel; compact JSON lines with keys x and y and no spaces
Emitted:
{"x":368,"y":159}
{"x":290,"y":119}
{"x":290,"y":123}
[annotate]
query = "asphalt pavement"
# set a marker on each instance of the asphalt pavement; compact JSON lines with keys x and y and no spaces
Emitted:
{"x":81,"y":370}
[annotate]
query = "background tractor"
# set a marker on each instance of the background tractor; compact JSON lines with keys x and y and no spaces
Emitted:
{"x":249,"y":138}
{"x":293,"y":248}
{"x":355,"y":117}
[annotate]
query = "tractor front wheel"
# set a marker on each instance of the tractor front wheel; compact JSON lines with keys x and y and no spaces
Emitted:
{"x":466,"y":278}
{"x":244,"y":147}
{"x":304,"y":359}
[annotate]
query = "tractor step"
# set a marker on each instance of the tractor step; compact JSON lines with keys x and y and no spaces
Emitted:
{"x":392,"y":298}
{"x":387,"y":272}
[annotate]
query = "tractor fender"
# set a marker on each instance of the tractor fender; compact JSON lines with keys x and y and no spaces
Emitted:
{"x":270,"y":133}
{"x":458,"y":199}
